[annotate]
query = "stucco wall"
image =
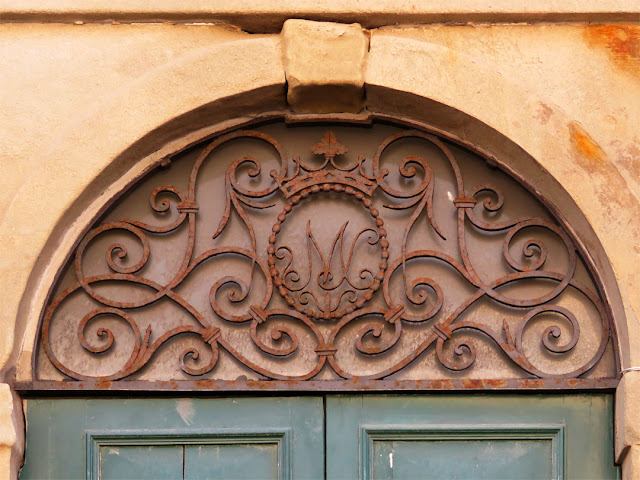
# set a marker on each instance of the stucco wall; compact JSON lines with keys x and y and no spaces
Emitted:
{"x":85,"y":108}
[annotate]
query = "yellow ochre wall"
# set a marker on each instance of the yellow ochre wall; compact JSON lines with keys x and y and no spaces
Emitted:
{"x":94,"y":93}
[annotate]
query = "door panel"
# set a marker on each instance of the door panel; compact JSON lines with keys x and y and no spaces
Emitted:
{"x":478,"y":457}
{"x":470,"y":437}
{"x":190,"y":454}
{"x":158,"y":438}
{"x":143,"y":462}
{"x":231,"y":462}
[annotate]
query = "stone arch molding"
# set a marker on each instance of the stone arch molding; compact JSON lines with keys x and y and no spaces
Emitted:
{"x":105,"y":148}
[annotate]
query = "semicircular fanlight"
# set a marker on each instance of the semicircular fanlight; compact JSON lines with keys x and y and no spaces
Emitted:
{"x":327,"y":257}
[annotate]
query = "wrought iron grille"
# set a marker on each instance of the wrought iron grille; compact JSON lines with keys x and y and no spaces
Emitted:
{"x":326,"y":257}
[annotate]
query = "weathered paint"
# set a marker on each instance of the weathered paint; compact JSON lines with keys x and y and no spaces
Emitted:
{"x":622,"y":42}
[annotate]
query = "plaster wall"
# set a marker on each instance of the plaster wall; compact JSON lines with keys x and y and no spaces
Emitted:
{"x":85,"y":109}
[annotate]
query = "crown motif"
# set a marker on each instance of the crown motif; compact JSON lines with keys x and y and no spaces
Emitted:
{"x":307,"y":177}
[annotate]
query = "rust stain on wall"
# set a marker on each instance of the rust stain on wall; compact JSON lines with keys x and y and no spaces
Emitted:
{"x":543,"y":113}
{"x":613,"y":185}
{"x":629,"y":157}
{"x":586,"y":146}
{"x":621,"y":41}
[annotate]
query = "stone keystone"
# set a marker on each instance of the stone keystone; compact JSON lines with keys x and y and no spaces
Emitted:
{"x":324,"y":66}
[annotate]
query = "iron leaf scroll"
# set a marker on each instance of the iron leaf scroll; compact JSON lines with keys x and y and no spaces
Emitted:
{"x":330,"y":263}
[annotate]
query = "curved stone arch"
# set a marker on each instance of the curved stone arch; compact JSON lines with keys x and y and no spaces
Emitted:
{"x":258,"y":86}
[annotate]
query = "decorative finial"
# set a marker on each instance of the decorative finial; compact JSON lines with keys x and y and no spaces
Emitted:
{"x":329,"y":146}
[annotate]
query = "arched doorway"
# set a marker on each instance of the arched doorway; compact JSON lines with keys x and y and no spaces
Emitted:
{"x":438,"y":210}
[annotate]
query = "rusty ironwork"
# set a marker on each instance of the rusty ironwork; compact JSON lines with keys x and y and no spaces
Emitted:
{"x":325,"y":296}
{"x":353,"y":385}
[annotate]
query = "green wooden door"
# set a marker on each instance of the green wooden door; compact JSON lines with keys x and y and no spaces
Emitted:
{"x":223,"y":438}
{"x":366,"y":436}
{"x":470,"y":437}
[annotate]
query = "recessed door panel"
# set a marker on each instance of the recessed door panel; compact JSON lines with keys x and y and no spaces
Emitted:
{"x":478,"y":457}
{"x":141,"y":462}
{"x":231,"y":462}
